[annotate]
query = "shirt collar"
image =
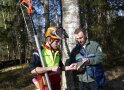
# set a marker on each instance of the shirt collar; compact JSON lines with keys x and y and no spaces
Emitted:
{"x":86,"y":43}
{"x":49,"y":48}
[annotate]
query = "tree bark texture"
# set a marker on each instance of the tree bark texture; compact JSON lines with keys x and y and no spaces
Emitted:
{"x":70,"y":21}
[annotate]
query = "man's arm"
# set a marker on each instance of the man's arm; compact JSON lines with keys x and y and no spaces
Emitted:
{"x":95,"y":56}
{"x":98,"y":58}
{"x":36,"y":67}
{"x":38,"y":70}
{"x":73,"y":66}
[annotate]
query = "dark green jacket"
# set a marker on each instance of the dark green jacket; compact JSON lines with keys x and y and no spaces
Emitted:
{"x":91,"y":47}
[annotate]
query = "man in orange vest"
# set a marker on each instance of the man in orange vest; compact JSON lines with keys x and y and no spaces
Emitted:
{"x":51,"y":55}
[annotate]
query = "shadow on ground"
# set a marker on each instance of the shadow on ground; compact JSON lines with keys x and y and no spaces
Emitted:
{"x":115,"y":78}
{"x":20,"y":79}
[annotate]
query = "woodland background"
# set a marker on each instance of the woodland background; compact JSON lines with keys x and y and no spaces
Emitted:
{"x":103,"y":20}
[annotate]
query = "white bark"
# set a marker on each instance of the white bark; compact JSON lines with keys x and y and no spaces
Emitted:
{"x":71,"y":20}
{"x":70,"y":11}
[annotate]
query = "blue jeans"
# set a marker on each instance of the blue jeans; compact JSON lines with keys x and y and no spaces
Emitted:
{"x":88,"y":86}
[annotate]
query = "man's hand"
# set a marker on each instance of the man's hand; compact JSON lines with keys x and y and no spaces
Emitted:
{"x":73,"y":66}
{"x":85,"y":61}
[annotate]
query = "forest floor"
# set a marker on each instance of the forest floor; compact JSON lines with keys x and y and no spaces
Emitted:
{"x":115,"y":78}
{"x":21,"y":79}
{"x":16,"y":78}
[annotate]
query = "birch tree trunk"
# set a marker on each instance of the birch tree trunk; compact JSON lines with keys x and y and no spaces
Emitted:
{"x":70,"y":21}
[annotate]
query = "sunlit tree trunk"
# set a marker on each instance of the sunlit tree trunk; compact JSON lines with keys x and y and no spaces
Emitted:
{"x":4,"y":16}
{"x":70,"y":21}
{"x":8,"y":52}
{"x":46,"y":10}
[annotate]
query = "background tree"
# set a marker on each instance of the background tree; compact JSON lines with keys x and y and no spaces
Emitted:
{"x":70,"y":13}
{"x":103,"y":20}
{"x":13,"y":34}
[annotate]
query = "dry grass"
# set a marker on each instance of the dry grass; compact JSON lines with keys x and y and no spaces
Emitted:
{"x":115,"y":78}
{"x":19,"y":79}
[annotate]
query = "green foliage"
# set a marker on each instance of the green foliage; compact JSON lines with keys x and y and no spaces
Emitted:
{"x":19,"y":79}
{"x":12,"y":31}
{"x":104,"y":27}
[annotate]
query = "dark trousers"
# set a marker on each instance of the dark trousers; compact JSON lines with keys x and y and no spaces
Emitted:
{"x":88,"y":86}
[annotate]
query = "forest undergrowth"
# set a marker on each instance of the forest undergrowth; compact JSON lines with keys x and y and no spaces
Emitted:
{"x":21,"y":79}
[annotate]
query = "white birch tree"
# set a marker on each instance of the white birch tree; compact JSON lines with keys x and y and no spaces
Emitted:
{"x":70,"y":21}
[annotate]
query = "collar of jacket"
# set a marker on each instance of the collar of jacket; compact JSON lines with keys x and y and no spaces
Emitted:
{"x":86,"y":43}
{"x":45,"y":46}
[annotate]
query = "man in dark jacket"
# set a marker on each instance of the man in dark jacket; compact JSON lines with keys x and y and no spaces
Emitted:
{"x":87,"y":54}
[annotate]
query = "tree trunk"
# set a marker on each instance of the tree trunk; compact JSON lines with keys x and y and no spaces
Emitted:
{"x":46,"y":13}
{"x":70,"y":12}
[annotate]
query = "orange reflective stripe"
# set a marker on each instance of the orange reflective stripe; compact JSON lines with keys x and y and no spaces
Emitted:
{"x":40,"y":81}
{"x":29,"y":9}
